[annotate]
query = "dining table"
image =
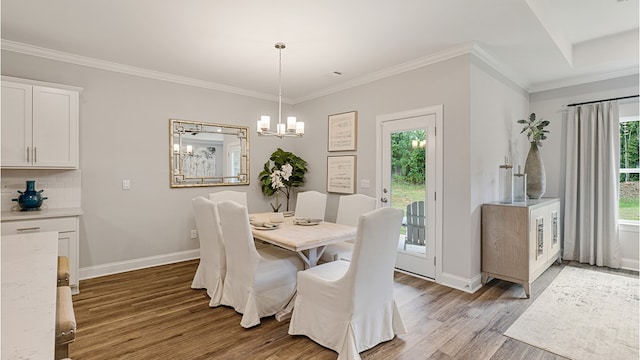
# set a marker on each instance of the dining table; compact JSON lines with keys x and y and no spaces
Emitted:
{"x":306,"y":237}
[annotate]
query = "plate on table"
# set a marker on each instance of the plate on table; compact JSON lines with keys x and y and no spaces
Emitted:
{"x":265,"y":226}
{"x":306,"y":222}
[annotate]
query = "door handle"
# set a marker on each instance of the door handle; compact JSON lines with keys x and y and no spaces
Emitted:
{"x":384,"y":200}
{"x":29,"y":229}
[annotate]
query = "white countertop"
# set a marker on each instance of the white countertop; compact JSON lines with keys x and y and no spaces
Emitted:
{"x":530,"y":203}
{"x":40,"y":214}
{"x":29,"y":266}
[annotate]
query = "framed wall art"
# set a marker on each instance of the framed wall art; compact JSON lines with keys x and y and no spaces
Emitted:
{"x":341,"y":174}
{"x":343,"y":131}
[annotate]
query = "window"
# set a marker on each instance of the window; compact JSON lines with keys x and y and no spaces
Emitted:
{"x":629,"y":195}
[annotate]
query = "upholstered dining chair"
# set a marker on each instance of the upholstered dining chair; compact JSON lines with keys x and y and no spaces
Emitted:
{"x":349,"y":306}
{"x":237,"y":196}
{"x":311,"y":204}
{"x":213,"y":263}
{"x":259,"y":282}
{"x":350,"y":207}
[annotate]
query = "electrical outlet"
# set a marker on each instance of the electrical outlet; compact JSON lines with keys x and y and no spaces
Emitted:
{"x":194,"y":234}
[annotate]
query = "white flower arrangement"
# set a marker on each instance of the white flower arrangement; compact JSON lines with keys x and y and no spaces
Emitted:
{"x":277,"y":176}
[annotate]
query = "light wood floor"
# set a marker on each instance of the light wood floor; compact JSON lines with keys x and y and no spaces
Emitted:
{"x":154,"y":314}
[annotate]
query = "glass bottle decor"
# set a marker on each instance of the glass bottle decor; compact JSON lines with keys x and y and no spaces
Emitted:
{"x":505,"y":183}
{"x":519,"y":186}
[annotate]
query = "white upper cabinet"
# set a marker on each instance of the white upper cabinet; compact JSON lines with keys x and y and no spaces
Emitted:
{"x":39,"y":125}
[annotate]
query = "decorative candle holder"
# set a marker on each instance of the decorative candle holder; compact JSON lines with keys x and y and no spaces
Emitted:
{"x":519,"y":186}
{"x":505,"y":184}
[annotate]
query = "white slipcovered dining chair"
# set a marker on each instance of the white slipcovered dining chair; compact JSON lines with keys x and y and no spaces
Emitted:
{"x":349,"y":306}
{"x":350,"y":207}
{"x":259,"y":282}
{"x":311,"y":204}
{"x":213,"y":264}
{"x":237,"y":196}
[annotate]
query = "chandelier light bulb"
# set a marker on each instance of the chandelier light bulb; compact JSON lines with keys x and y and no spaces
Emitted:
{"x":292,"y":128}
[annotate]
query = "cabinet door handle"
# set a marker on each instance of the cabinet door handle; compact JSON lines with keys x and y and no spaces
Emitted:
{"x":28,"y":154}
{"x":35,"y":154}
{"x":31,"y":229}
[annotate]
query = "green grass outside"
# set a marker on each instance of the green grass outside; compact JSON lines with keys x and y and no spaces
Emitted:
{"x":404,"y":194}
{"x":629,"y":209}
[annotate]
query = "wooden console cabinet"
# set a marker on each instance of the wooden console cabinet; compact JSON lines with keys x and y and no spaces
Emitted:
{"x":520,"y":240}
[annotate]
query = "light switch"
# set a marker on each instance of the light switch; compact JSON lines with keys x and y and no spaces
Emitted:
{"x":126,"y":184}
{"x":364,"y":183}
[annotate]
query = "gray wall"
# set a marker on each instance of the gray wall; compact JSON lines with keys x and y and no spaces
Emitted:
{"x":444,"y":83}
{"x":480,"y":108}
{"x":124,"y":134}
{"x":496,"y":105}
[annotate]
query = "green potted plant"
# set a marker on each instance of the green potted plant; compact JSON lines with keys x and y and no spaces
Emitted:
{"x":283,"y":172}
{"x":535,"y":129}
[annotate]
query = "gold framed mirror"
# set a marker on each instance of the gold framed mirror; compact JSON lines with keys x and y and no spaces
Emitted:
{"x":206,"y":154}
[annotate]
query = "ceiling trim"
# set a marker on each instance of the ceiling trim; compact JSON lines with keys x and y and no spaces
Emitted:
{"x":579,"y":80}
{"x":449,"y":53}
{"x":498,"y":66}
{"x":548,"y":18}
{"x":391,"y":71}
{"x":27,"y":49}
{"x":468,"y":48}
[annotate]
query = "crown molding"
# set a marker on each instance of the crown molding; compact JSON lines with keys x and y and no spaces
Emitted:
{"x":579,"y":80}
{"x":469,"y":48}
{"x":32,"y":50}
{"x":500,"y":67}
{"x":464,"y":49}
{"x":391,"y":71}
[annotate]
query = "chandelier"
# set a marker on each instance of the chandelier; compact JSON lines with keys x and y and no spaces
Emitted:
{"x":292,"y":128}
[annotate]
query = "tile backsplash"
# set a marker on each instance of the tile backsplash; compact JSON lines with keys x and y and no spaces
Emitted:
{"x":61,"y":187}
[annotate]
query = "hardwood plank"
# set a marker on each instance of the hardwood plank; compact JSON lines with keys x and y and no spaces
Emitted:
{"x":154,"y":314}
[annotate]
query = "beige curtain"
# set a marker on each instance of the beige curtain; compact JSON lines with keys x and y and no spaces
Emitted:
{"x":591,"y":191}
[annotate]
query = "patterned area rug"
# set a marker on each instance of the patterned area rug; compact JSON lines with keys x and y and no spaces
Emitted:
{"x":584,"y":314}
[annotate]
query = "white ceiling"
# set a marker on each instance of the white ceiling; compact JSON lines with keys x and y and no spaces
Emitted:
{"x":229,"y":44}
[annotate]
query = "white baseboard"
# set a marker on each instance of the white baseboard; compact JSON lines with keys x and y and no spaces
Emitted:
{"x":413,"y":274}
{"x":460,"y":283}
{"x":630,"y":264}
{"x":135,"y":264}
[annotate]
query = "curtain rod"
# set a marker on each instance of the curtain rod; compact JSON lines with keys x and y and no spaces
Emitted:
{"x":596,"y":101}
